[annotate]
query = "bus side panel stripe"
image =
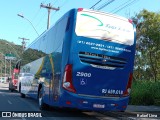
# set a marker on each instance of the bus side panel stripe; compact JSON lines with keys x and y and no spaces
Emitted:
{"x":40,"y":68}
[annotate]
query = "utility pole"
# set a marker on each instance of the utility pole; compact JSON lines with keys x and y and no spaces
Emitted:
{"x":10,"y":67}
{"x":23,"y":42}
{"x":49,"y":7}
{"x":5,"y":66}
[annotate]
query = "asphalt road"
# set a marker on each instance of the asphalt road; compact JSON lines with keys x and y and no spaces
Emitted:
{"x":12,"y":102}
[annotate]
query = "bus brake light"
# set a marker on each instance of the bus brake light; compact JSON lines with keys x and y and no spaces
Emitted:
{"x":67,"y":79}
{"x":128,"y":89}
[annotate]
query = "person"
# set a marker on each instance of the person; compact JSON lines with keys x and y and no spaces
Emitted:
{"x":8,"y":79}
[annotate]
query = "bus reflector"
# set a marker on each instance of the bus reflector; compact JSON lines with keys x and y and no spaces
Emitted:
{"x":68,"y":102}
{"x":80,"y":9}
{"x":124,"y":106}
{"x":128,"y":89}
{"x":67,"y":79}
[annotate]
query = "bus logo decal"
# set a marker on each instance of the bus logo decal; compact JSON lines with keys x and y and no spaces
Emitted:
{"x":101,"y":24}
{"x":104,"y":61}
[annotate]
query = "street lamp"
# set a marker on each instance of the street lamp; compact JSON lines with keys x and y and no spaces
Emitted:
{"x":28,"y":21}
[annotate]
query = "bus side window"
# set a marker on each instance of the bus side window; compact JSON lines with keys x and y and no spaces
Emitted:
{"x":68,"y":24}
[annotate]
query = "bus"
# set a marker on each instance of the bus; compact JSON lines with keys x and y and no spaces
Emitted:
{"x":85,"y":62}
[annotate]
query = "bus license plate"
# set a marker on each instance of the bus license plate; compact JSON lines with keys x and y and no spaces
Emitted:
{"x":98,"y":106}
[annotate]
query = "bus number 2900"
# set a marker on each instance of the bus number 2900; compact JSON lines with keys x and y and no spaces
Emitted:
{"x":83,"y":74}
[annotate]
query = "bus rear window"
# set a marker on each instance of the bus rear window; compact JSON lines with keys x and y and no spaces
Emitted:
{"x":104,"y":26}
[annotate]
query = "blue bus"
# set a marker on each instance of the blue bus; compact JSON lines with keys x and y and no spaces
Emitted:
{"x":85,"y":61}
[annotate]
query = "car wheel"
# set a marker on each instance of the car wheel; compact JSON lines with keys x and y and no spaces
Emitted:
{"x":23,"y":95}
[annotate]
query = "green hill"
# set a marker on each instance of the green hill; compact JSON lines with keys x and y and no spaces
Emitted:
{"x":7,"y":47}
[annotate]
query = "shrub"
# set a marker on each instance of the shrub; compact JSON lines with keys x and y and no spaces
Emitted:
{"x":145,"y":93}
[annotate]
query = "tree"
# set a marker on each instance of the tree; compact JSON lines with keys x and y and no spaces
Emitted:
{"x":148,"y":37}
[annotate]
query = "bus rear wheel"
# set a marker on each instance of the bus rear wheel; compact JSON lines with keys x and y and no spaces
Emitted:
{"x":22,"y":95}
{"x":19,"y":88}
{"x":42,"y":105}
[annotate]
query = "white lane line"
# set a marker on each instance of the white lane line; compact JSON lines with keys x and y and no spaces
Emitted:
{"x":9,"y":102}
{"x":23,"y":118}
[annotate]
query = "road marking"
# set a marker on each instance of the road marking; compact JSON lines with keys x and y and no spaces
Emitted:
{"x":23,"y":118}
{"x":9,"y":102}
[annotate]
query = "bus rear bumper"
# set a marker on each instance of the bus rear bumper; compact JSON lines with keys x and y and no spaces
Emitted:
{"x":94,"y":103}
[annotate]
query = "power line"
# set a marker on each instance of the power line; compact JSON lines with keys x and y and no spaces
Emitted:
{"x":121,"y":5}
{"x":41,"y":20}
{"x":33,"y":19}
{"x":42,"y":16}
{"x":105,"y":4}
{"x":44,"y":1}
{"x":61,"y":6}
{"x":55,"y":1}
{"x":64,"y":3}
{"x":124,"y":6}
{"x":95,"y":4}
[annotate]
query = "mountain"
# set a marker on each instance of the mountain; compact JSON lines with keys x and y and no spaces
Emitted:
{"x":16,"y":50}
{"x":9,"y":47}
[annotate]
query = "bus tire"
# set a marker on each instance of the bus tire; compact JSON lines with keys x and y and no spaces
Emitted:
{"x":19,"y":88}
{"x":122,"y":111}
{"x":12,"y":90}
{"x":23,"y":95}
{"x":9,"y":86}
{"x":42,"y":105}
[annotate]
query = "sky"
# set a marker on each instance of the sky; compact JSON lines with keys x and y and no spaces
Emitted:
{"x":13,"y":27}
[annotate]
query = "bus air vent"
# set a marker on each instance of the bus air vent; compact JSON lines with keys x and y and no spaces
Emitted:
{"x":102,"y":60}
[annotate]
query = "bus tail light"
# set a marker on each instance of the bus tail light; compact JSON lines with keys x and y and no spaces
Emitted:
{"x":67,"y":79}
{"x":68,"y":102}
{"x":128,"y":89}
{"x":130,"y":21}
{"x":80,"y":9}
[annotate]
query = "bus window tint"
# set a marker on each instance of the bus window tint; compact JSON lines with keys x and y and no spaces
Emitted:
{"x":54,"y":39}
{"x":68,"y":24}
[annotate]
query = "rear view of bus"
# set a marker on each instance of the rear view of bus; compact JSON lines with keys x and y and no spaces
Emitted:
{"x":98,"y":75}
